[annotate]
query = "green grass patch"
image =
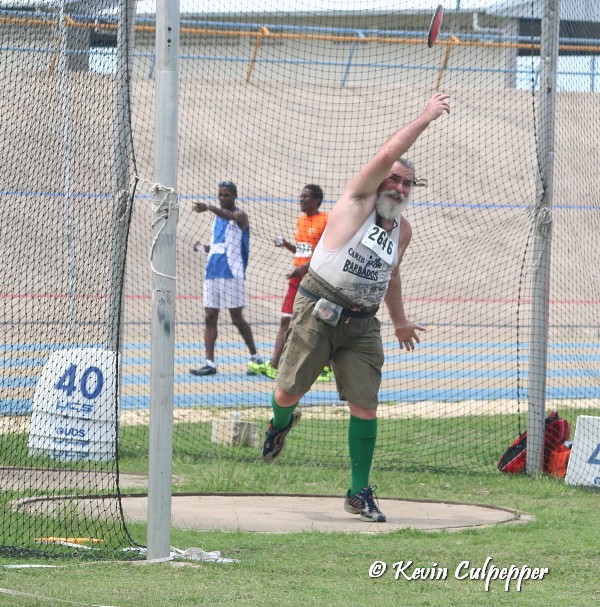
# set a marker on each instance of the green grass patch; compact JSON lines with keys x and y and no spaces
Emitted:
{"x":467,"y":443}
{"x":332,"y":569}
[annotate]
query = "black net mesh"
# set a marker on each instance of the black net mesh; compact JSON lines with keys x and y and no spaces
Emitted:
{"x":67,"y":184}
{"x":274,"y":100}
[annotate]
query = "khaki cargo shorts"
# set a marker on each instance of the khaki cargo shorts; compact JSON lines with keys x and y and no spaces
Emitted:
{"x":353,"y":348}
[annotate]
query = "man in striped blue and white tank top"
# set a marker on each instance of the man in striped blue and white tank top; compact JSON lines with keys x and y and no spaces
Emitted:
{"x":224,"y":274}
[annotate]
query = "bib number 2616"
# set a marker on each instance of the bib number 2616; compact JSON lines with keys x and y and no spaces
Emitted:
{"x":378,"y":240}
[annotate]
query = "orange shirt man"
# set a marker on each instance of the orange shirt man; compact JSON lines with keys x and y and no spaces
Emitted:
{"x":309,"y":228}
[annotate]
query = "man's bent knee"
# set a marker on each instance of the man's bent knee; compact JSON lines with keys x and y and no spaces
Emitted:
{"x":361,"y":412}
{"x":285,"y":399}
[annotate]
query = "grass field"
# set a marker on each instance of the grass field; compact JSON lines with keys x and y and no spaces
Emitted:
{"x":466,"y":442}
{"x":312,"y":568}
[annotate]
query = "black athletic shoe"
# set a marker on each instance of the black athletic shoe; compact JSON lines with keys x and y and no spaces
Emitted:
{"x":363,"y":503}
{"x":205,"y":370}
{"x":275,"y":439}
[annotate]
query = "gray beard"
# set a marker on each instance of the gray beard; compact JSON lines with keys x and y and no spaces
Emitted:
{"x":391,"y":208}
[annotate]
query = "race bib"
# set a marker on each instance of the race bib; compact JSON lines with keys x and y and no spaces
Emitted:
{"x":377,"y":240}
{"x":303,"y":249}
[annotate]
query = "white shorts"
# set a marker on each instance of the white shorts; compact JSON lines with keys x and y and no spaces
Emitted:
{"x":223,"y":293}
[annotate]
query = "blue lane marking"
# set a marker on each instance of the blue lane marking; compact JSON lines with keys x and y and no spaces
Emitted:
{"x":263,"y":399}
{"x":402,"y":357}
{"x":22,"y":361}
{"x":390,"y":346}
{"x":15,"y":406}
{"x":458,"y":345}
{"x":143,"y":379}
{"x":225,"y":377}
{"x":43,"y":347}
{"x":568,"y":206}
{"x":313,"y":398}
{"x":408,"y":359}
{"x":420,"y":363}
{"x":18,"y":382}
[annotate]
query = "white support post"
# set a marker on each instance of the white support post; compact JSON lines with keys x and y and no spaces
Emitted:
{"x":163,"y":279}
{"x":543,"y":238}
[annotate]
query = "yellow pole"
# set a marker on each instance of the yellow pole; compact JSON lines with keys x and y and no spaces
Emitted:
{"x":262,"y":31}
{"x":52,"y":65}
{"x":452,"y":41}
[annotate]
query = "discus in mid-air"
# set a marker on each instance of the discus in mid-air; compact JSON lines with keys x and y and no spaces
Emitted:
{"x":435,"y":25}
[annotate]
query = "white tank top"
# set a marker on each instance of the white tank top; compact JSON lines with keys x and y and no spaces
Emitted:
{"x":358,"y":271}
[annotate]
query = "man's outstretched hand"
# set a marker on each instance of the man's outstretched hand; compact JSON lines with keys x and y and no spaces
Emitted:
{"x":436,"y":106}
{"x":407,"y":335}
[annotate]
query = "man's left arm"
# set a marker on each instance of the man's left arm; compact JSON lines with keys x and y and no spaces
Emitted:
{"x":404,"y":329}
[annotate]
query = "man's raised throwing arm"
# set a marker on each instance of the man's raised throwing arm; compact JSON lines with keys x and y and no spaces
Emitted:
{"x":358,"y":198}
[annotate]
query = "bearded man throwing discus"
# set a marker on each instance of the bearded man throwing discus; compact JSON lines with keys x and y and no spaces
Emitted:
{"x":353,"y":269}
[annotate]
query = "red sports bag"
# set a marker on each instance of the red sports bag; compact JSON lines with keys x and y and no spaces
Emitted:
{"x":514,"y":458}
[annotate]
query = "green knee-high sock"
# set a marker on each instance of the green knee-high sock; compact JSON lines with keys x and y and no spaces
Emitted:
{"x":362,"y":434}
{"x":281,"y":415}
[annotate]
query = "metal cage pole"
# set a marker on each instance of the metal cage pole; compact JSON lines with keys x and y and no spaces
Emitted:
{"x":163,"y":279}
{"x":543,"y":238}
